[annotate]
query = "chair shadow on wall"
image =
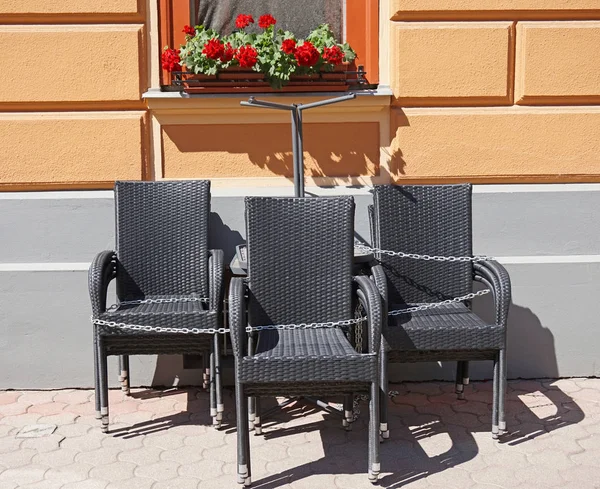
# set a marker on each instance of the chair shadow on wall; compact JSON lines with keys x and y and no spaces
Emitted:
{"x":331,"y":150}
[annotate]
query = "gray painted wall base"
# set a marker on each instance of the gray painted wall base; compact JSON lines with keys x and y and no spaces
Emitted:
{"x":548,"y":238}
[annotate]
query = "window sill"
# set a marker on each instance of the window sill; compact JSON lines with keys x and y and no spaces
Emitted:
{"x":159,"y":100}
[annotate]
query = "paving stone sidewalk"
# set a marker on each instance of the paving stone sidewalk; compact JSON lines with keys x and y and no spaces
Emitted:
{"x":162,"y":439}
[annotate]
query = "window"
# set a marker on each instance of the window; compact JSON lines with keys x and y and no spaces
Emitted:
{"x":356,"y":21}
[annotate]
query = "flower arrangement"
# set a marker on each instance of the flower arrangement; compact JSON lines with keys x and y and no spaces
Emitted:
{"x":277,"y":54}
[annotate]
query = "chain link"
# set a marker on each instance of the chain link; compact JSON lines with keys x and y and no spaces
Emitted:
{"x":416,"y":256}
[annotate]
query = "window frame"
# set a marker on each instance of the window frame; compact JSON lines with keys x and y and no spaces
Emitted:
{"x":362,"y":32}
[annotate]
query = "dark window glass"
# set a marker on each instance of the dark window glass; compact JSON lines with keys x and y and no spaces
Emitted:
{"x":298,"y":16}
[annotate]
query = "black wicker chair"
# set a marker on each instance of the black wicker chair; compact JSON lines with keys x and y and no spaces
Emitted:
{"x":300,"y":254}
{"x":164,"y":273}
{"x":436,"y":220}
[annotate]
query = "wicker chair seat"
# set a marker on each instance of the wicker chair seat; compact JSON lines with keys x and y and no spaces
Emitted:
{"x":321,"y":355}
{"x":178,"y":314}
{"x":451,"y":327}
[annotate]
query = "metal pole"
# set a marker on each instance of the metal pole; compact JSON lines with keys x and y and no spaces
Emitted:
{"x":297,"y":189}
{"x":297,"y":136}
{"x":300,"y":158}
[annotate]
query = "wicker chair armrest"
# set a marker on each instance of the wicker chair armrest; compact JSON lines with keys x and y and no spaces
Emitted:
{"x":237,"y":316}
{"x":102,"y":270}
{"x":215,"y":276}
{"x":380,"y":281}
{"x":371,"y":298}
{"x":496,"y":277}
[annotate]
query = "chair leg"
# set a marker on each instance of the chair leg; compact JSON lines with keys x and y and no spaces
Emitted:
{"x":251,"y":400}
{"x":103,"y":384}
{"x":205,"y":370}
{"x":257,"y":422}
{"x":348,"y":414}
{"x":462,"y":373}
{"x":502,"y":393}
{"x":495,"y":390}
{"x":218,"y":381}
{"x":96,"y":375}
{"x":243,"y":436}
{"x":374,"y":464}
{"x":213,"y":394}
{"x":383,"y":399}
{"x":124,"y":374}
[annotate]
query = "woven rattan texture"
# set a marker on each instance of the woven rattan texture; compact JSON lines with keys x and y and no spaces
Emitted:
{"x":415,"y":356}
{"x":148,"y":344}
{"x":293,"y":389}
{"x":424,"y":219}
{"x":162,"y":238}
{"x":299,"y":259}
{"x":323,"y":342}
{"x":317,"y":354}
{"x":455,"y":328}
{"x":172,"y":314}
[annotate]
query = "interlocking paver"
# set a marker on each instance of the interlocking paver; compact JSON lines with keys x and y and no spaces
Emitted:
{"x":163,"y":439}
{"x":44,"y":443}
{"x":166,"y":441}
{"x":87,"y":484}
{"x":36,"y":397}
{"x":56,"y":458}
{"x":100,"y":456}
{"x":142,"y":456}
{"x":203,"y":470}
{"x":24,"y":475}
{"x":75,"y":472}
{"x":135,"y":483}
{"x":159,"y":471}
{"x":536,"y":475}
{"x":18,"y":458}
{"x":116,"y":471}
{"x":43,"y":485}
{"x":179,"y":483}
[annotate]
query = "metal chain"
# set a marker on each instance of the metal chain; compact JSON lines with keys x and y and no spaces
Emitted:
{"x":315,"y":325}
{"x":416,"y":256}
{"x":433,"y":305}
{"x":158,"y":301}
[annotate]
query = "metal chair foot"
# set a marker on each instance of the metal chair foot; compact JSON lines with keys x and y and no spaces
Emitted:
{"x":98,"y":415}
{"x":495,"y":432}
{"x":374,"y":473}
{"x":104,"y":423}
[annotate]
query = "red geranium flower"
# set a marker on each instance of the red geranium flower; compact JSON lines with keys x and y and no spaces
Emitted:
{"x":243,"y":21}
{"x":333,"y":55}
{"x":307,"y":54}
{"x":227,"y":54}
{"x":213,"y":49}
{"x":288,"y":46}
{"x":246,"y":56}
{"x":170,"y":60}
{"x":266,"y":20}
{"x":189,"y":30}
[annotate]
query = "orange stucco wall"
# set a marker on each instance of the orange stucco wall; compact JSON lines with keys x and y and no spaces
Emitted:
{"x":71,"y":111}
{"x":483,"y":91}
{"x":495,"y":91}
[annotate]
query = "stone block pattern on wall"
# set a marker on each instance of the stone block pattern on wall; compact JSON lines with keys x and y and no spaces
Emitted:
{"x":80,"y":147}
{"x":558,"y":62}
{"x":450,"y":74}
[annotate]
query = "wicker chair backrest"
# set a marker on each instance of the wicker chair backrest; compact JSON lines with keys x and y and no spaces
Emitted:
{"x":162,"y":238}
{"x":424,"y":219}
{"x":300,"y":254}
